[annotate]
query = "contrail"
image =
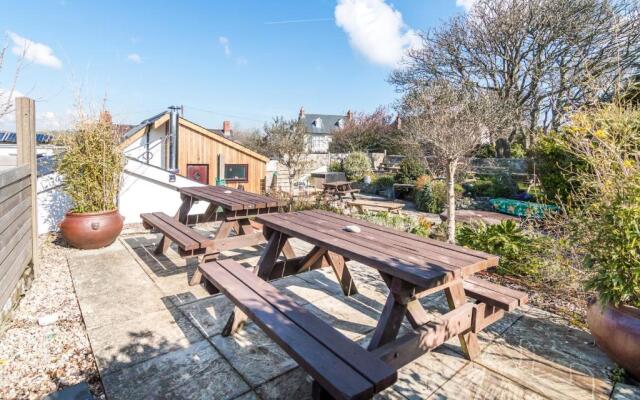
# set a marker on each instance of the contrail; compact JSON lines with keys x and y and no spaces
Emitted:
{"x":298,"y":21}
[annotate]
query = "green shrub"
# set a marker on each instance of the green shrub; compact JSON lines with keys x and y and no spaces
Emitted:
{"x":91,"y":166}
{"x":613,"y":248}
{"x":605,"y":218}
{"x":335,"y":166}
{"x":405,"y":223}
{"x":486,"y":151}
{"x":356,"y":165}
{"x":410,"y":169}
{"x":383,"y":182}
{"x":519,"y":251}
{"x":432,"y":198}
{"x":493,"y":186}
{"x":518,"y":151}
{"x":553,"y":166}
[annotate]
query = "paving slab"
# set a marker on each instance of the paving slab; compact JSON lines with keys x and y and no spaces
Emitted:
{"x":549,"y":357}
{"x":208,"y":315}
{"x":120,"y":345}
{"x":477,"y":382}
{"x":625,"y":392}
{"x":253,"y":354}
{"x":295,"y":384}
{"x":349,"y":316}
{"x":306,"y":291}
{"x":421,"y":378}
{"x":197,"y":372}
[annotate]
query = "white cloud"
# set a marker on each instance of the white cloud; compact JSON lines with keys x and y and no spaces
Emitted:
{"x":376,"y":30}
{"x":38,"y":53}
{"x":242,"y":61}
{"x":135,"y":58}
{"x":226,"y":45}
{"x":466,"y":4}
{"x":47,"y":121}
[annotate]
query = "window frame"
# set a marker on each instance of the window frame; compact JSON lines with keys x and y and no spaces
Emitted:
{"x":240,"y":180}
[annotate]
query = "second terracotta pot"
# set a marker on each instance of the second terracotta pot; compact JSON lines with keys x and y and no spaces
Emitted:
{"x":616,"y":331}
{"x":91,"y":230}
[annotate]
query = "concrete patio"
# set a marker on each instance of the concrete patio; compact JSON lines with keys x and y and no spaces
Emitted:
{"x":154,"y":336}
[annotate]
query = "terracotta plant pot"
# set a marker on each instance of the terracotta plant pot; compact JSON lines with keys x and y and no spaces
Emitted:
{"x":617,"y":332}
{"x":91,"y":230}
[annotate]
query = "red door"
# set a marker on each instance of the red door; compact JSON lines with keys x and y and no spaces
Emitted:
{"x":198,"y":172}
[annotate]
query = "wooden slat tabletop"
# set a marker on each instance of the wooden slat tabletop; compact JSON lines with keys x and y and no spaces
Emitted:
{"x":230,"y":198}
{"x":423,"y":262}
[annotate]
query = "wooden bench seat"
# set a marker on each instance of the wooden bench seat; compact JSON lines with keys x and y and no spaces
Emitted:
{"x":501,"y":297}
{"x":186,"y":238}
{"x":341,"y":368}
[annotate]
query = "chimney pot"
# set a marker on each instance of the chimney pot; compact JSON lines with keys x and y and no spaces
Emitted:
{"x":349,"y":115}
{"x":105,"y":117}
{"x":301,"y":113}
{"x":226,"y":128}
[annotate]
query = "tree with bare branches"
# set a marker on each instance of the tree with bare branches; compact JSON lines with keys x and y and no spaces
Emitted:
{"x":448,"y":123}
{"x":374,"y":132}
{"x":546,"y":57}
{"x":286,"y":141}
{"x":7,"y":93}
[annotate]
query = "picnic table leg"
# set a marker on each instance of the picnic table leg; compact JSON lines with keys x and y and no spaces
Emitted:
{"x":389,"y":323}
{"x":163,"y":245}
{"x":319,"y":393}
{"x":468,"y":341}
{"x":263,"y":270}
{"x":181,"y":216}
{"x":342,"y":273}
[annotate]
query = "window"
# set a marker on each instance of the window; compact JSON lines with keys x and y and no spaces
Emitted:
{"x":319,"y":144}
{"x":236,"y":172}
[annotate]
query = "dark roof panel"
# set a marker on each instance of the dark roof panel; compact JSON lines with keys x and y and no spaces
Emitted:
{"x":323,"y":123}
{"x":10,"y":137}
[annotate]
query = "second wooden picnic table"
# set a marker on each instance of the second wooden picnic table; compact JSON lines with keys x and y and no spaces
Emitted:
{"x":340,"y":189}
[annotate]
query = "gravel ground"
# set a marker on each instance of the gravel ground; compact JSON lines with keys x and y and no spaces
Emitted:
{"x":36,"y":360}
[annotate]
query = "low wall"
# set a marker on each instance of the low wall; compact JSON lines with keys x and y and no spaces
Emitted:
{"x":144,"y":188}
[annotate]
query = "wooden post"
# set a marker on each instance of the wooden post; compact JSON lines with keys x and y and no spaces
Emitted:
{"x":26,"y":143}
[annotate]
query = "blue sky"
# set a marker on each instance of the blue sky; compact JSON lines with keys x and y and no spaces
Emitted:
{"x":245,"y":61}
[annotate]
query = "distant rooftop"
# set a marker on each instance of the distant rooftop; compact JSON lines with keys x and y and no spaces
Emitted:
{"x":10,"y":138}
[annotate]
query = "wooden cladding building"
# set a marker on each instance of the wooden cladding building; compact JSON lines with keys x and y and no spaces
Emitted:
{"x":202,"y":155}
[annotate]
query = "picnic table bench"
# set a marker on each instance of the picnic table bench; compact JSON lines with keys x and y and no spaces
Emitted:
{"x":412,"y":267}
{"x":369,"y":205}
{"x":340,"y":189}
{"x":233,"y":207}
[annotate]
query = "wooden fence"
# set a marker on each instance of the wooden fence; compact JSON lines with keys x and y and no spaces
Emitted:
{"x":18,"y":222}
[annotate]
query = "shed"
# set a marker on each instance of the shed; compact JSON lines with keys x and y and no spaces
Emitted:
{"x":200,"y":153}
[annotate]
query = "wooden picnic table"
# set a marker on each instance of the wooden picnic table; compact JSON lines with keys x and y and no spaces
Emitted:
{"x":412,"y":267}
{"x":232,"y":206}
{"x":340,"y":189}
{"x":370,"y":205}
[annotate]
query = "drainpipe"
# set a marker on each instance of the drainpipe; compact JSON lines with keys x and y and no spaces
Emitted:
{"x":173,"y":142}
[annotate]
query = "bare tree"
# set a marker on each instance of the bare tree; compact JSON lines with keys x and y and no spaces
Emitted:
{"x":286,"y":141}
{"x":543,"y":56}
{"x":367,"y":132}
{"x":448,"y":123}
{"x":7,"y":94}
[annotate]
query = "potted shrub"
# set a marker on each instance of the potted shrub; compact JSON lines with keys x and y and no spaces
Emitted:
{"x":605,"y":225}
{"x":91,"y":167}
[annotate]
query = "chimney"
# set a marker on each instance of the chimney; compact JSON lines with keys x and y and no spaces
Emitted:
{"x":226,"y":128}
{"x":301,"y":113}
{"x":105,"y":117}
{"x":349,"y":115}
{"x":173,"y":139}
{"x":398,"y":121}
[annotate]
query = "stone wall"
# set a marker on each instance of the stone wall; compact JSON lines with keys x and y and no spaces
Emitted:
{"x":21,"y":288}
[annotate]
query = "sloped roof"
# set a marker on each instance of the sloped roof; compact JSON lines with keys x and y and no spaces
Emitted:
{"x":322,"y":123}
{"x":137,"y":131}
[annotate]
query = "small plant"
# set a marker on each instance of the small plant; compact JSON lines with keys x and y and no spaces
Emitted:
{"x":335,"y":166}
{"x":422,"y":181}
{"x":410,"y":169}
{"x":356,"y":165}
{"x":554,"y":167}
{"x":518,"y":151}
{"x":420,"y":226}
{"x":432,"y":198}
{"x":91,"y":166}
{"x":486,"y":151}
{"x":519,"y":251}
